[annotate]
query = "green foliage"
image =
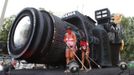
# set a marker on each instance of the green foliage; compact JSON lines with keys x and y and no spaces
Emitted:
{"x":128,"y":24}
{"x":4,"y":30}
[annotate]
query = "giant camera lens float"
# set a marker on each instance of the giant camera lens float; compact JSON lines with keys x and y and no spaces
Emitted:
{"x":37,"y":36}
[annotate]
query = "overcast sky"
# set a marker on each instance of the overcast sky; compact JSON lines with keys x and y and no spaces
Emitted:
{"x":60,"y":7}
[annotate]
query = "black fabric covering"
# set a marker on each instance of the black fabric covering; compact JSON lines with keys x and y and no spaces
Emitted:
{"x":102,"y":50}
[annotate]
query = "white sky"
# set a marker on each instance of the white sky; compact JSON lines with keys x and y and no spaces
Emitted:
{"x":60,"y":7}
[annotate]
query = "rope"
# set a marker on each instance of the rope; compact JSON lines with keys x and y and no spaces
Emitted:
{"x":78,"y":59}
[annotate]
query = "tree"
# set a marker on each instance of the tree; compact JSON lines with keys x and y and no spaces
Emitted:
{"x":4,"y":30}
{"x":128,"y":24}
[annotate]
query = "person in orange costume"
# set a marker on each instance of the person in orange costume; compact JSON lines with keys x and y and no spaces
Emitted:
{"x":84,"y":47}
{"x":70,"y":40}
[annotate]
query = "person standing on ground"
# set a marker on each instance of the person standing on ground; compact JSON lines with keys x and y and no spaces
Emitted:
{"x":70,"y":40}
{"x":85,"y":50}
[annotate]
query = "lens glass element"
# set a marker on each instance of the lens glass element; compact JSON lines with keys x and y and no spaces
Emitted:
{"x":22,"y":32}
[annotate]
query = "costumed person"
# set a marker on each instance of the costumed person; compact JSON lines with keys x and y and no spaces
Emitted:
{"x":117,"y":20}
{"x":70,"y":40}
{"x":84,"y":47}
{"x":116,"y":38}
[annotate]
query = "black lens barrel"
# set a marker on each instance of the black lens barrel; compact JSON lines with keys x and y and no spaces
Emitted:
{"x":45,"y":42}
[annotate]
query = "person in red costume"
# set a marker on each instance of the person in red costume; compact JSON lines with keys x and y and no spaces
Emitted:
{"x":84,"y":47}
{"x":70,"y":40}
